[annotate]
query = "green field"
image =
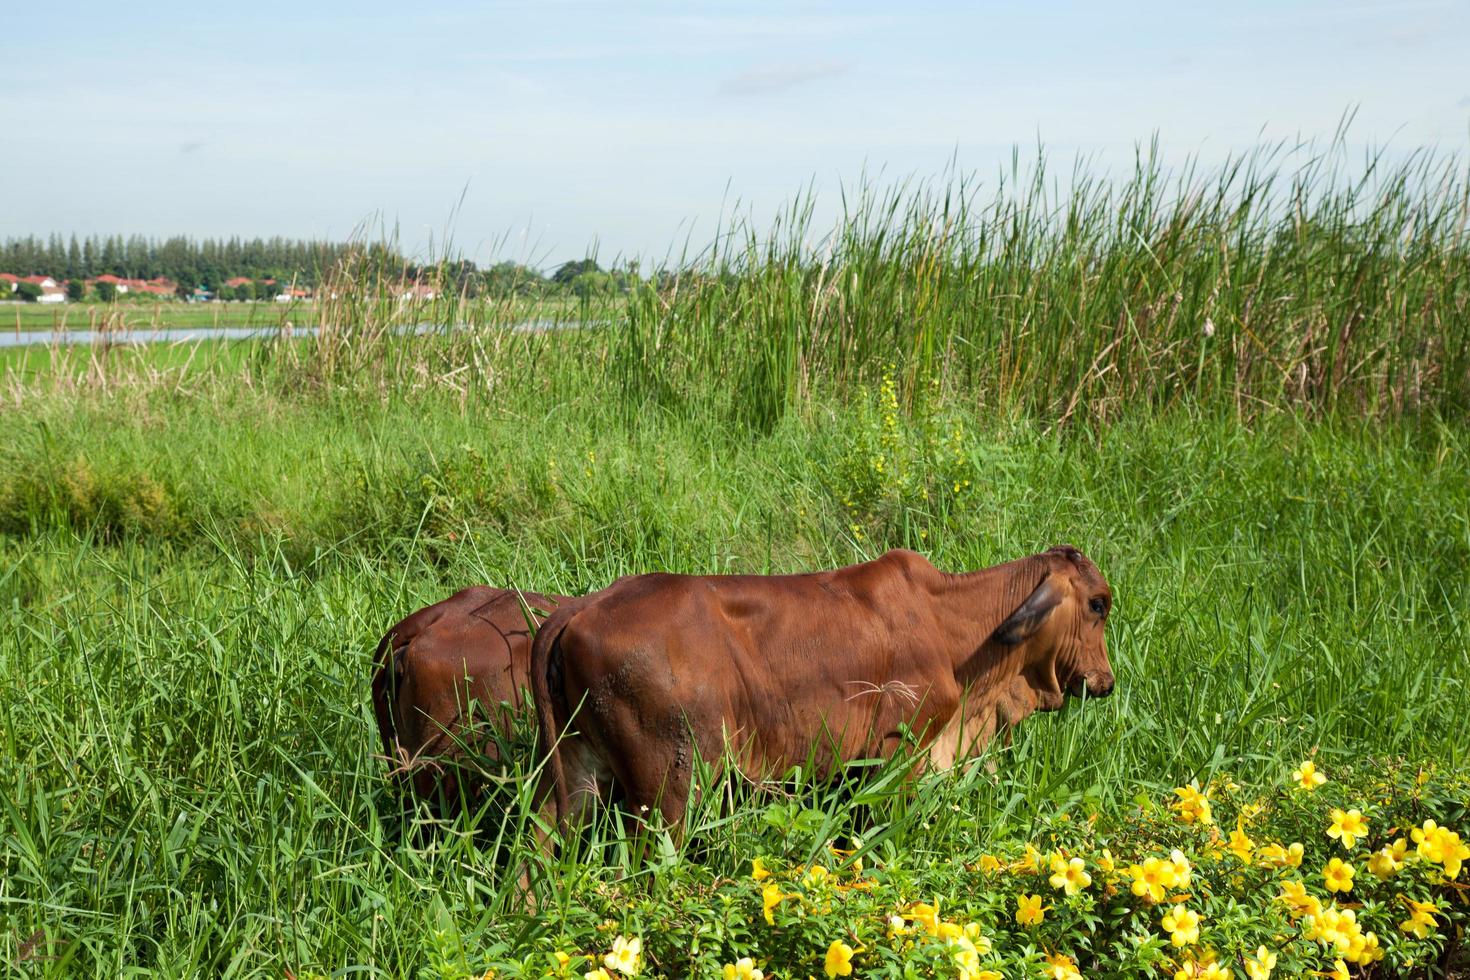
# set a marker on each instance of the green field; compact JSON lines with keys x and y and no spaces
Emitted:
{"x":197,"y":557}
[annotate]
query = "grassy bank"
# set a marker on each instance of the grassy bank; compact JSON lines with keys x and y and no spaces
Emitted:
{"x":198,"y":553}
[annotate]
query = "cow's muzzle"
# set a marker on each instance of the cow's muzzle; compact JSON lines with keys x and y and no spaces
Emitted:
{"x":1094,"y":686}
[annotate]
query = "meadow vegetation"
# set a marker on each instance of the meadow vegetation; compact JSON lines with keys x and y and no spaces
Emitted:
{"x":1242,"y":393}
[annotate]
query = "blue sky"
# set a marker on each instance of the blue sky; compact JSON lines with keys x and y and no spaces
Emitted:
{"x":634,"y":124}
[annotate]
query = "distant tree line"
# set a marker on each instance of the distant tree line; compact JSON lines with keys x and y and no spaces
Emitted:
{"x":211,"y":262}
{"x":187,"y":261}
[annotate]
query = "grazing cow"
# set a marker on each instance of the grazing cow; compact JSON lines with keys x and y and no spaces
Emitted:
{"x":826,"y":667}
{"x":447,"y":680}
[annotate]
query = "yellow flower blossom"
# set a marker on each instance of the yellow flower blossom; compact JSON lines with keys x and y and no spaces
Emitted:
{"x":758,"y":869}
{"x":1388,"y":860}
{"x":926,"y":915}
{"x":990,"y":864}
{"x":1307,"y":777}
{"x":770,"y":897}
{"x":1152,"y":879}
{"x":1338,"y":875}
{"x":1205,"y":967}
{"x":597,"y":974}
{"x":1259,"y":967}
{"x":1277,"y":856}
{"x":1347,"y":827}
{"x":743,"y":969}
{"x":1182,"y":925}
{"x":1193,"y":806}
{"x":1363,"y":949}
{"x":1105,"y":861}
{"x":1059,"y":967}
{"x":1241,"y":845}
{"x":1294,"y":895}
{"x":839,"y":959}
{"x":1029,"y":910}
{"x":1030,"y":862}
{"x":1421,"y":922}
{"x":626,"y":956}
{"x":1441,"y":846}
{"x":1339,"y":971}
{"x":1069,"y":875}
{"x":815,"y":875}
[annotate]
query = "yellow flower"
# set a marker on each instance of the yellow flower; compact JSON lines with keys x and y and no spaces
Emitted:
{"x":1151,"y":879}
{"x":742,"y":969}
{"x":839,"y":959}
{"x":1294,"y":894}
{"x":758,"y":869}
{"x":1204,"y":968}
{"x":1307,"y":777}
{"x":1442,"y":846}
{"x":1347,"y":827}
{"x":1338,"y":875}
{"x":815,"y":875}
{"x":1276,"y":856}
{"x":1259,"y":967}
{"x":1029,"y":911}
{"x":562,"y":959}
{"x":1030,"y":862}
{"x":1069,"y":875}
{"x":1059,"y":967}
{"x":1192,"y":806}
{"x":1363,"y":949}
{"x":1182,"y":925}
{"x":925,"y":915}
{"x":981,"y":975}
{"x":597,"y":974}
{"x":770,"y":897}
{"x":625,"y":956}
{"x":1421,"y":921}
{"x":1388,"y":860}
{"x":1240,"y":844}
{"x":1339,"y":971}
{"x":989,"y":864}
{"x":1178,"y":866}
{"x":1105,"y":861}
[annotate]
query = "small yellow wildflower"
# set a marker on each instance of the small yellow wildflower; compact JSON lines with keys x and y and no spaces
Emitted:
{"x":1338,"y":875}
{"x":743,"y":969}
{"x":1193,"y":806}
{"x":1421,"y":922}
{"x":1363,"y":949}
{"x":1206,"y":967}
{"x":1029,"y":910}
{"x":1347,"y":827}
{"x":925,"y":915}
{"x":1339,"y":971}
{"x":815,"y":875}
{"x":1069,"y":875}
{"x":626,"y":955}
{"x":839,"y":959}
{"x":1294,"y":895}
{"x":989,"y":864}
{"x":597,"y":974}
{"x":1059,"y":967}
{"x":1307,"y":777}
{"x":1441,"y":846}
{"x":1105,"y":861}
{"x":1151,"y":879}
{"x":1182,"y":925}
{"x":1240,"y":844}
{"x":771,"y":897}
{"x":1388,"y":860}
{"x":1259,"y":967}
{"x":758,"y":869}
{"x":1277,"y":856}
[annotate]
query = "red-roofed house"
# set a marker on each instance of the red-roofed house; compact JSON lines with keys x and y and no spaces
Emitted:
{"x":238,"y":281}
{"x":8,"y":282}
{"x":118,"y":283}
{"x":51,"y":290}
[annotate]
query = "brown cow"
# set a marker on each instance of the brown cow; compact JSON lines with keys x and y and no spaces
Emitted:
{"x":827,"y":667}
{"x":472,"y":648}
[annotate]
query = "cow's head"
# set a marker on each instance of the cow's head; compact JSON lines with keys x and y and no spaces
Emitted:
{"x":1059,"y":629}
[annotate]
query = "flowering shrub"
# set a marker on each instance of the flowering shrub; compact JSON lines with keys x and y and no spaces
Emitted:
{"x":1351,"y":875}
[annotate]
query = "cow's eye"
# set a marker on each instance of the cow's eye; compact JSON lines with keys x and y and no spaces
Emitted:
{"x":1098,"y":606}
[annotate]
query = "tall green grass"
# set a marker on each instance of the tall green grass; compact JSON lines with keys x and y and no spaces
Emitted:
{"x":199,"y":549}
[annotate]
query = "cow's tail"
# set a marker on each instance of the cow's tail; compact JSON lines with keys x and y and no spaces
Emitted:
{"x":549,"y":693}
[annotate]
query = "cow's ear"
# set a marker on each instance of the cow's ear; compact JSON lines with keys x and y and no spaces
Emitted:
{"x":1027,"y":619}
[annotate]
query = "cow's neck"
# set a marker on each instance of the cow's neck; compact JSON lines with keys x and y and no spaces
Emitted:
{"x":1000,"y":689}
